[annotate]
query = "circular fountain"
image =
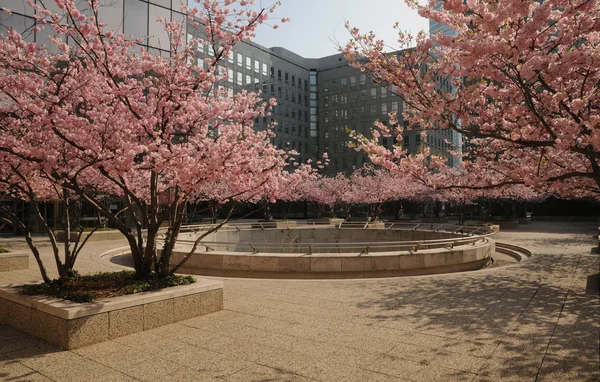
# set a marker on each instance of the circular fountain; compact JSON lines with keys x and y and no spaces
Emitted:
{"x":335,"y":251}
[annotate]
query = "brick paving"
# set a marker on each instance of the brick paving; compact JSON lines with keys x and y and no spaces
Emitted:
{"x":534,"y":321}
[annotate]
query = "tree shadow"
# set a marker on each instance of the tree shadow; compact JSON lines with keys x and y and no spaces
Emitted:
{"x":511,"y":318}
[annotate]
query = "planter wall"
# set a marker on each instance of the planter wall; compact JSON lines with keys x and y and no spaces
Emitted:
{"x":72,"y":325}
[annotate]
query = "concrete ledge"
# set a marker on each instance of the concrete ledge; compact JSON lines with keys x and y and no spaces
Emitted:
{"x":72,"y":325}
{"x":14,"y":261}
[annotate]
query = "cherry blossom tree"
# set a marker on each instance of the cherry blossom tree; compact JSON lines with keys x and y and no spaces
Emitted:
{"x":149,"y":129}
{"x":519,"y":80}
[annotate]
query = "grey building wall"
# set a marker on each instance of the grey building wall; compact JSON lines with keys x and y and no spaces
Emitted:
{"x":134,"y":17}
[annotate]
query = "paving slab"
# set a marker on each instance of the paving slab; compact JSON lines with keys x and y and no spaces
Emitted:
{"x":535,"y":320}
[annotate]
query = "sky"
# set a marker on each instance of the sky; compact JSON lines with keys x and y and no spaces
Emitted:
{"x":316,"y":25}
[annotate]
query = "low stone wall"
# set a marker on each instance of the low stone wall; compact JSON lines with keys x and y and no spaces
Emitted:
{"x":96,"y":236}
{"x":72,"y":325}
{"x":381,"y":264}
{"x":14,"y":261}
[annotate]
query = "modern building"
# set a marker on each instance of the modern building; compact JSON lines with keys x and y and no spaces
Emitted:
{"x":319,"y":100}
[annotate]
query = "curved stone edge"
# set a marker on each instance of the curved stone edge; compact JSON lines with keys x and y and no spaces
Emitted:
{"x":72,"y":325}
{"x":457,"y":259}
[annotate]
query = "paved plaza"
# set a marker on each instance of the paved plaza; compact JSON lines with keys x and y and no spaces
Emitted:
{"x":538,"y":320}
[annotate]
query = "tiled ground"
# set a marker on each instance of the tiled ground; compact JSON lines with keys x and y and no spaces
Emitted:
{"x":538,"y":320}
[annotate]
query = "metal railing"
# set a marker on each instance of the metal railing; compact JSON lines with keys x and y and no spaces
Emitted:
{"x":468,"y":235}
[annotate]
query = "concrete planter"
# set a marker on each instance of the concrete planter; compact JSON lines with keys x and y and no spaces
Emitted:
{"x":72,"y":325}
{"x":97,"y":236}
{"x":14,"y":261}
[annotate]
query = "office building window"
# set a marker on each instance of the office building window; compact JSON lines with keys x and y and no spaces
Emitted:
{"x":383,"y":92}
{"x":249,"y":63}
{"x":264,"y":69}
{"x":352,"y":80}
{"x":230,"y":57}
{"x":248,"y":80}
{"x":230,"y":75}
{"x":272,"y":71}
{"x":406,"y":140}
{"x":279,"y":74}
{"x":344,"y":81}
{"x":293,"y":80}
{"x":373,"y":93}
{"x":239,"y":78}
{"x":363,"y":79}
{"x":394,"y":106}
{"x":286,"y":77}
{"x":384,"y":109}
{"x":256,"y":66}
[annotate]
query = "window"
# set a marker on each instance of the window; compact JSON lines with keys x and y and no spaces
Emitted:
{"x":239,"y":78}
{"x":352,"y":80}
{"x":256,"y":66}
{"x":264,"y":69}
{"x":334,"y":84}
{"x":278,"y":91}
{"x":239,"y":59}
{"x":272,"y":71}
{"x":264,"y":86}
{"x":384,"y":109}
{"x":230,"y":75}
{"x":248,"y":79}
{"x":272,"y":89}
{"x":394,"y":106}
{"x":383,"y":92}
{"x":373,"y":93}
{"x":293,"y":96}
{"x":417,"y":139}
{"x":249,"y":63}
{"x":287,"y":94}
{"x":279,"y":75}
{"x":373,"y":109}
{"x":286,"y":77}
{"x":363,"y":79}
{"x":406,"y":140}
{"x":344,"y":81}
{"x":363,"y":94}
{"x":230,"y":57}
{"x":299,"y":99}
{"x":293,"y":80}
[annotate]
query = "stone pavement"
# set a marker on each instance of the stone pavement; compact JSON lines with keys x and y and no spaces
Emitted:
{"x":534,"y":321}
